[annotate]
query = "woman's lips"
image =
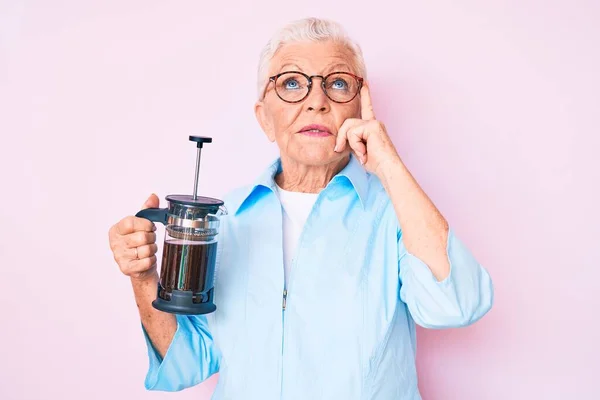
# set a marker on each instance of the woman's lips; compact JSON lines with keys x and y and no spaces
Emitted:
{"x":315,"y":130}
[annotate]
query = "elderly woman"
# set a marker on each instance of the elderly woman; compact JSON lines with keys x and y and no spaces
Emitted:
{"x":328,"y":259}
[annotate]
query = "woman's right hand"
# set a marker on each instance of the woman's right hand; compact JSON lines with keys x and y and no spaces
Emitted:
{"x":132,"y":241}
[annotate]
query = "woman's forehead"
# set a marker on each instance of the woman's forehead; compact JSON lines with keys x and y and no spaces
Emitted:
{"x":312,"y":58}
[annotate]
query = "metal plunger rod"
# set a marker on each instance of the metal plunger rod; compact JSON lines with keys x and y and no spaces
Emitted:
{"x":197,"y":173}
{"x":200,"y":140}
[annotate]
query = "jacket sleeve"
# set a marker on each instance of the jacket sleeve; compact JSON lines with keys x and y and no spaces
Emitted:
{"x":190,"y":359}
{"x":461,"y":299}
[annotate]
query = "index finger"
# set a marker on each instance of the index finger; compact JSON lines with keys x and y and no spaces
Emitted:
{"x":134,"y":224}
{"x":366,"y":106}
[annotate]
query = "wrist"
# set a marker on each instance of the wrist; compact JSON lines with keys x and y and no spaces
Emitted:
{"x":389,"y":168}
{"x":148,"y":279}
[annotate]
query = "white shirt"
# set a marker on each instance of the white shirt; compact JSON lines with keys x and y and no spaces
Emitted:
{"x":296,"y":207}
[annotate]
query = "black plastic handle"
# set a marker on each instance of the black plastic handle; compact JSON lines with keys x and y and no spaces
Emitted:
{"x":154,"y":214}
{"x":200,"y":140}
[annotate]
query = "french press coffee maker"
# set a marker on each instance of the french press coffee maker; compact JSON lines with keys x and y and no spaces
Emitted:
{"x":190,"y":248}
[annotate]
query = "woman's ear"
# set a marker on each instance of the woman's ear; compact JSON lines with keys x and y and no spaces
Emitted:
{"x":265,"y":122}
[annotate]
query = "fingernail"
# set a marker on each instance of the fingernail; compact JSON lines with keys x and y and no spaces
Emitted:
{"x":335,"y":148}
{"x":153,"y":228}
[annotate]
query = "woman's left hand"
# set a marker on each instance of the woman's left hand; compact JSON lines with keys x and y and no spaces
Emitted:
{"x":367,"y":137}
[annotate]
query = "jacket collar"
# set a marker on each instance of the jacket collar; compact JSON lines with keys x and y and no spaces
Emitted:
{"x":353,"y":174}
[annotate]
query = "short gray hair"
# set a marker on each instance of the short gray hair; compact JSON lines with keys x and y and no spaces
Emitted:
{"x":308,"y":30}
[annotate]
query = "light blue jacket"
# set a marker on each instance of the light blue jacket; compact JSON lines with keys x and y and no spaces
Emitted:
{"x":354,"y":296}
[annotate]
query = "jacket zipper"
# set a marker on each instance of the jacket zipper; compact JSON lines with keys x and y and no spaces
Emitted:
{"x":283,"y":321}
{"x":282,"y":336}
{"x":284,"y":301}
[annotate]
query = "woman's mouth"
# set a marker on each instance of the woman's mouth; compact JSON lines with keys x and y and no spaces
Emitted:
{"x":315,"y":130}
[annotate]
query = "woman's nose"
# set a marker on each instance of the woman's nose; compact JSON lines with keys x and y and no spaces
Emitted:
{"x":317,"y":100}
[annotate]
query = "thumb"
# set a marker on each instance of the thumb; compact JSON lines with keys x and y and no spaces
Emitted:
{"x":151,"y":202}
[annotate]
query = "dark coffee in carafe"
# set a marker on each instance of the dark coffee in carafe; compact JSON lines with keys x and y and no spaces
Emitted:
{"x":185,"y":264}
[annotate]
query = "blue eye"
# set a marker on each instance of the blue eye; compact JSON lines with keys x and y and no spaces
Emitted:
{"x":339,"y":84}
{"x":291,"y":84}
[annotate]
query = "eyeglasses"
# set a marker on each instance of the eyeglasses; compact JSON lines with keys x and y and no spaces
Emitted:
{"x":295,"y":86}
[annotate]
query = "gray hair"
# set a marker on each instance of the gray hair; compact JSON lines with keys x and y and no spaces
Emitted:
{"x":308,"y":30}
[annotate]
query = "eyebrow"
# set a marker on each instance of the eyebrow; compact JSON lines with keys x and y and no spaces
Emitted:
{"x":338,"y":66}
{"x":294,"y":67}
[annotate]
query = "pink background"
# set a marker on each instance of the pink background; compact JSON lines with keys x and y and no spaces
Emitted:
{"x":494,"y":108}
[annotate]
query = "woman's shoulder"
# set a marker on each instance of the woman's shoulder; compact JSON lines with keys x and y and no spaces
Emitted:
{"x":234,"y":197}
{"x":243,"y":196}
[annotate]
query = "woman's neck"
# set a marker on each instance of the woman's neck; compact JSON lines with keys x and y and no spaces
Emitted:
{"x":297,"y":177}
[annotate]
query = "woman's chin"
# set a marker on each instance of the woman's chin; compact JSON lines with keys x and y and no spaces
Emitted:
{"x":316,"y":156}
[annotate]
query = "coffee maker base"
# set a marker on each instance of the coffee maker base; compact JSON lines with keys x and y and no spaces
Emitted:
{"x":182,"y":303}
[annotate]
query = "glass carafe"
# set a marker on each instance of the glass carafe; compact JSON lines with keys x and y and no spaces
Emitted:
{"x":190,"y":248}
